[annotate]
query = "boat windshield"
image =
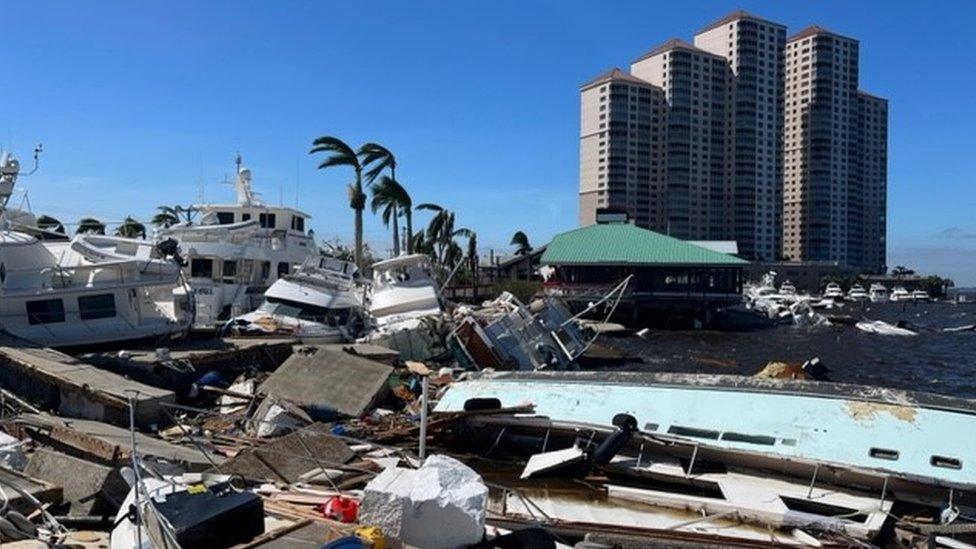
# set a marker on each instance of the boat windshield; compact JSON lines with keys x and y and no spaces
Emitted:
{"x":304,"y":311}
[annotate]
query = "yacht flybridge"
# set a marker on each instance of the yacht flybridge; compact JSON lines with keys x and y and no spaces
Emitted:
{"x":237,"y":251}
{"x":90,"y":289}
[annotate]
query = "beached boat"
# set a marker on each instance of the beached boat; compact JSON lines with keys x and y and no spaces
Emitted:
{"x":236,"y":251}
{"x":88,"y":290}
{"x":321,"y":302}
{"x":405,"y":307}
{"x":878,"y":293}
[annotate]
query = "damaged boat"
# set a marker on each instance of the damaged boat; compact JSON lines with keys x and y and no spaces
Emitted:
{"x":321,"y":302}
{"x":505,"y":334}
{"x":90,"y":289}
{"x":405,"y":306}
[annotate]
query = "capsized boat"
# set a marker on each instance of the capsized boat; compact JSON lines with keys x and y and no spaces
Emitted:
{"x":406,"y":312}
{"x":234,"y":252}
{"x":883,"y":328}
{"x":506,"y":334}
{"x":321,"y":302}
{"x":91,"y":289}
{"x":863,"y":436}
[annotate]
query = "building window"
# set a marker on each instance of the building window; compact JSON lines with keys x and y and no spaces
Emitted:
{"x":267,"y":220}
{"x":201,"y":268}
{"x":92,"y":307}
{"x":225,"y":218}
{"x":47,"y":311}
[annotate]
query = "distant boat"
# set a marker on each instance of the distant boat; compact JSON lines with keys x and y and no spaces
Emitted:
{"x":787,"y":288}
{"x":857,"y":293}
{"x":920,"y":295}
{"x":833,"y":291}
{"x":900,"y":294}
{"x":878,"y":293}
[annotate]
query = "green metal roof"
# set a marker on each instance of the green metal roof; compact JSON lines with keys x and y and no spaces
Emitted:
{"x":625,"y":244}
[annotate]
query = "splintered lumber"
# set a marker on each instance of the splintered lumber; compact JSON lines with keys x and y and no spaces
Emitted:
{"x":74,"y":388}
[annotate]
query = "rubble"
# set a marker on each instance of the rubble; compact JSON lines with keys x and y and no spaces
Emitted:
{"x":327,"y":383}
{"x":441,"y":504}
{"x":90,"y":489}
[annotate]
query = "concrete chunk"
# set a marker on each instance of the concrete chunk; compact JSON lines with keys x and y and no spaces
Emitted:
{"x":287,"y":458}
{"x":90,"y":488}
{"x":326,"y":382}
{"x":442,"y":504}
{"x":75,"y":389}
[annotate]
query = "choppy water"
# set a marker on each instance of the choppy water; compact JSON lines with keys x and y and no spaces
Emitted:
{"x":934,"y":361}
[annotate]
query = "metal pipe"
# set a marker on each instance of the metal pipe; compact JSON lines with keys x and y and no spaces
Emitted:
{"x":423,"y":418}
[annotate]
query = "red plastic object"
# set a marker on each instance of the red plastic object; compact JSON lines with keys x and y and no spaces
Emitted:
{"x":340,"y":508}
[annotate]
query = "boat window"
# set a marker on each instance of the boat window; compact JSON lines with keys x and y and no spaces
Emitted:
{"x":267,"y":220}
{"x":230,"y":270}
{"x":91,"y":307}
{"x":651,"y":426}
{"x":693,"y":432}
{"x":749,"y":439}
{"x":47,"y":311}
{"x":245,"y":217}
{"x":883,"y":453}
{"x":265,"y":270}
{"x":298,"y":223}
{"x":945,"y":462}
{"x":305,"y":311}
{"x":225,"y":218}
{"x":283,"y":269}
{"x":201,"y":268}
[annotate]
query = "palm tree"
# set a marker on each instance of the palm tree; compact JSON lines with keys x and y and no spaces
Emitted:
{"x":341,"y":154}
{"x":522,"y":241}
{"x":167,"y":216}
{"x":90,"y":225}
{"x":49,"y":223}
{"x":395,"y":201}
{"x":130,"y":228}
{"x":378,"y":158}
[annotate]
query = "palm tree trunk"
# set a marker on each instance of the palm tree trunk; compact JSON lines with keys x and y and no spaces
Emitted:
{"x":409,"y":215}
{"x":358,"y":253}
{"x":396,"y":233}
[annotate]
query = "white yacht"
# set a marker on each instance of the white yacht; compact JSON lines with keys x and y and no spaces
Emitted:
{"x":857,"y":293}
{"x":787,"y":288}
{"x":899,"y":293}
{"x":878,"y":293}
{"x":91,"y":289}
{"x":321,"y":302}
{"x":920,"y":295}
{"x":833,"y":291}
{"x":405,"y":307}
{"x":237,"y":251}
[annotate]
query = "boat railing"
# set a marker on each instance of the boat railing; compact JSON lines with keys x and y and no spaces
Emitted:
{"x":90,"y":276}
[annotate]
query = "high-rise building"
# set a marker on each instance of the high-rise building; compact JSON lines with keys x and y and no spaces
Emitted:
{"x":832,"y":159}
{"x":621,"y":147}
{"x":872,"y":175}
{"x":754,"y":49}
{"x":745,"y":135}
{"x":695,"y":87}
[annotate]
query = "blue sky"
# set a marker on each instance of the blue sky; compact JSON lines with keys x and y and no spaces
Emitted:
{"x":141,"y":104}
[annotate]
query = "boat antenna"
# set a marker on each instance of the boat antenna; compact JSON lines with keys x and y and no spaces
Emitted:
{"x":38,"y":149}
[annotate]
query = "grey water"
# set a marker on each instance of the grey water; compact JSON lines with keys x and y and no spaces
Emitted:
{"x":933,"y":361}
